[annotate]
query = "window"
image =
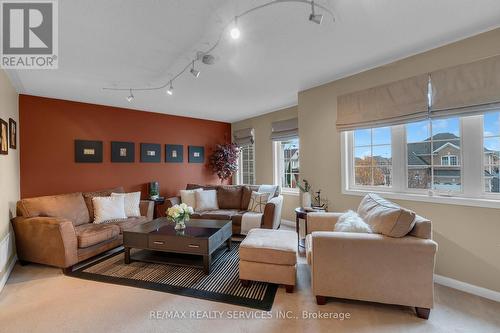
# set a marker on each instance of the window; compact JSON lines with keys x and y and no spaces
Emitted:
{"x":372,"y":157}
{"x":246,"y":173}
{"x":456,"y":157}
{"x":287,"y":163}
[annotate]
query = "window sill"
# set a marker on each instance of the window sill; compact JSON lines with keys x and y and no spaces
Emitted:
{"x":436,"y":199}
{"x":290,"y":191}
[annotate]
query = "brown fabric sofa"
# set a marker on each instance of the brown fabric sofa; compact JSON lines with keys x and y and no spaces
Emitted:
{"x":373,"y":267}
{"x":57,"y":230}
{"x":233,"y":202}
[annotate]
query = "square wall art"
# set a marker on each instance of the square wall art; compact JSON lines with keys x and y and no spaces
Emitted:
{"x":88,"y":151}
{"x":196,"y":154}
{"x":122,"y":152}
{"x":174,"y":153}
{"x":150,"y":152}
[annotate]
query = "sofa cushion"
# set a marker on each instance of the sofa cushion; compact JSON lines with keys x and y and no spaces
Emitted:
{"x":109,"y":208}
{"x":221,"y":214}
{"x":270,"y":246}
{"x":103,"y":193}
{"x":69,"y":206}
{"x":204,"y":187}
{"x":127,"y":223}
{"x":188,"y":197}
{"x":229,"y":196}
{"x":385,"y":217}
{"x":91,"y":234}
{"x":206,"y":200}
{"x":422,"y":228}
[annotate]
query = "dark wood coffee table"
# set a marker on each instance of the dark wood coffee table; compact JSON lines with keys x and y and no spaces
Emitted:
{"x":200,"y":238}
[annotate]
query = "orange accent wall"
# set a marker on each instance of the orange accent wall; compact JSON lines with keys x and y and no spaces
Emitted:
{"x":48,"y":128}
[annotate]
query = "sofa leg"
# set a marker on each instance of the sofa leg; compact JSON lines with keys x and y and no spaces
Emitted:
{"x":67,"y":270}
{"x":423,"y":312}
{"x":320,"y":300}
{"x":289,"y":288}
{"x":245,"y":283}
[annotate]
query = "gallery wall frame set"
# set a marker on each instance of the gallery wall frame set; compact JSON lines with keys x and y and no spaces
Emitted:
{"x":89,"y":151}
{"x":8,"y":136}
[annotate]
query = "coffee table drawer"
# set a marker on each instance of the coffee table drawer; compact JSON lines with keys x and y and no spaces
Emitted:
{"x":177,"y":244}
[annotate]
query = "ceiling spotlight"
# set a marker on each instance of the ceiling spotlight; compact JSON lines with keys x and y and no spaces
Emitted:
{"x":316,"y":18}
{"x":130,"y":98}
{"x":235,"y":32}
{"x":170,"y":89}
{"x":195,"y":72}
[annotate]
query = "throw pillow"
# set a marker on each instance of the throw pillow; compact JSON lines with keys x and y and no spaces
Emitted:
{"x":258,"y":202}
{"x":351,"y":222}
{"x":108,"y":208}
{"x":206,"y":200}
{"x":188,"y":197}
{"x":132,"y":201}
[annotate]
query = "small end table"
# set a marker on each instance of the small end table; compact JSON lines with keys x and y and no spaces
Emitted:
{"x":158,"y":204}
{"x":300,"y":213}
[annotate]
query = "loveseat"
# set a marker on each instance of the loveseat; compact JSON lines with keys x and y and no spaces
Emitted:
{"x":233,"y":202}
{"x":57,"y":230}
{"x":395,"y":269}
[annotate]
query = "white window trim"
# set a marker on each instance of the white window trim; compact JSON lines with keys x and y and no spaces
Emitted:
{"x":239,"y":174}
{"x":472,"y":194}
{"x":277,"y":168}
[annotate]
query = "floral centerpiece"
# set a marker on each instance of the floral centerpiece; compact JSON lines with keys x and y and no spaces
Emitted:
{"x":180,"y":215}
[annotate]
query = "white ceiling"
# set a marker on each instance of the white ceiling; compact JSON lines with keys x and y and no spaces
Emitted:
{"x":140,"y":43}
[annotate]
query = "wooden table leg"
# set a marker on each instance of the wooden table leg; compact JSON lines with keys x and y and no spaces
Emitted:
{"x":127,"y":255}
{"x":207,"y":263}
{"x":297,"y":221}
{"x":229,"y":242}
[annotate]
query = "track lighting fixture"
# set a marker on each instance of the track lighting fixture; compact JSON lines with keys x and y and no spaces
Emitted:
{"x":206,"y":58}
{"x":235,"y":32}
{"x":170,"y":89}
{"x":195,"y":72}
{"x":130,"y":97}
{"x":316,"y":18}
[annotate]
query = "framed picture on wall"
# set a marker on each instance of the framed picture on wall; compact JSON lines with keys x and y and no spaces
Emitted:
{"x":150,"y":152}
{"x":88,"y":151}
{"x":4,"y":137}
{"x":122,"y":152}
{"x":196,"y":154}
{"x":174,"y":153}
{"x":12,"y":134}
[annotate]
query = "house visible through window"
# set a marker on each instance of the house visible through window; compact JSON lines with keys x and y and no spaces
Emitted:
{"x":287,"y":162}
{"x":246,"y":173}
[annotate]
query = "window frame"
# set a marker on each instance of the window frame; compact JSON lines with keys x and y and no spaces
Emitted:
{"x":278,"y":167}
{"x":240,"y":172}
{"x":473,"y":190}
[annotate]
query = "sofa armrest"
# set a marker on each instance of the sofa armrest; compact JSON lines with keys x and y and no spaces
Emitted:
{"x":147,"y":208}
{"x":271,"y":219}
{"x":46,"y":240}
{"x":169,"y":202}
{"x":373,"y":267}
{"x":317,"y":221}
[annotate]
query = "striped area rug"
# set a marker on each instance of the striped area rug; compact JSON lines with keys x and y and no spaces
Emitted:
{"x":221,"y":285}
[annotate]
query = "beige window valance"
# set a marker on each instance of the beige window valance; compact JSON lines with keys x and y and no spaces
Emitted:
{"x":466,"y":89}
{"x":390,"y":104}
{"x":285,"y":129}
{"x":244,"y":137}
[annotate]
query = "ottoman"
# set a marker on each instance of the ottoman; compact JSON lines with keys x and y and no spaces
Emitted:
{"x":269,"y":255}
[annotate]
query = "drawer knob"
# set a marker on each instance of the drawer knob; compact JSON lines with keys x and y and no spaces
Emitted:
{"x":158,"y":242}
{"x":193,"y":245}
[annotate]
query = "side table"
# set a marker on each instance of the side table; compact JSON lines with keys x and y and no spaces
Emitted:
{"x":158,"y":204}
{"x":300,"y":213}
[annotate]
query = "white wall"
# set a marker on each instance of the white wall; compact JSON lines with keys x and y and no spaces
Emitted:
{"x":9,"y":179}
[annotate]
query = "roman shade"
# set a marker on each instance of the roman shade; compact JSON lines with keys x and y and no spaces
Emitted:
{"x":285,"y":129}
{"x":466,"y":89}
{"x":244,"y":137}
{"x":389,"y":104}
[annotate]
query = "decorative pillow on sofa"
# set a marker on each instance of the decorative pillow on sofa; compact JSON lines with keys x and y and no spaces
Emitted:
{"x":87,"y":196}
{"x":385,"y":217}
{"x":206,"y":200}
{"x":351,"y":222}
{"x":109,"y":208}
{"x":258,"y":202}
{"x":188,"y":197}
{"x":132,"y":201}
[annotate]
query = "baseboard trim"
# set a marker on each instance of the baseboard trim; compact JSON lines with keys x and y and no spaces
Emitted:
{"x":288,"y":223}
{"x":466,"y":287}
{"x":9,"y":269}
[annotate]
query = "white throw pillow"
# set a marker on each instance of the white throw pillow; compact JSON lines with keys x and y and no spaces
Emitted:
{"x":132,"y":201}
{"x":109,"y":208}
{"x":206,"y":200}
{"x":188,"y":197}
{"x":351,"y":222}
{"x":258,"y":202}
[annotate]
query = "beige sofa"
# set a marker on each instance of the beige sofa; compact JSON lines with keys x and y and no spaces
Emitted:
{"x":373,"y":267}
{"x":57,"y":230}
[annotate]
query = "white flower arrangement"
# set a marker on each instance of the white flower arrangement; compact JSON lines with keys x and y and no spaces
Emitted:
{"x":180,"y":213}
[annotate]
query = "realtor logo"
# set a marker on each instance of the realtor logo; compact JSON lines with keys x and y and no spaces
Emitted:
{"x":29,"y":35}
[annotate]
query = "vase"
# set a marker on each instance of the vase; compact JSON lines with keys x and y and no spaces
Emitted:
{"x":305,"y":199}
{"x":180,"y":225}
